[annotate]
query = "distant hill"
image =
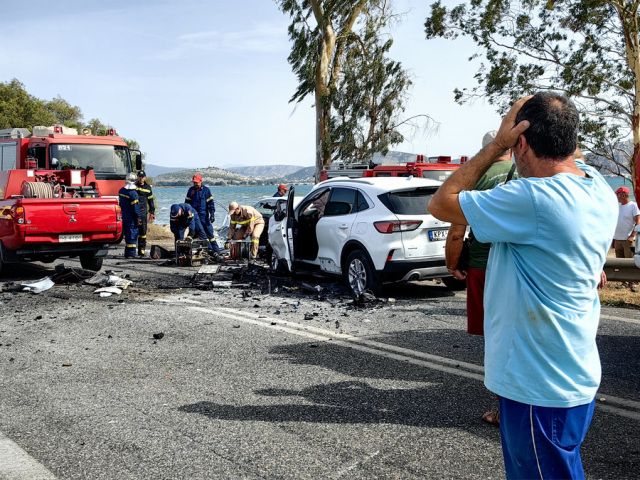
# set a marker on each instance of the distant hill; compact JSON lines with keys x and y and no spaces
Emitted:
{"x":154,"y":170}
{"x":237,"y":176}
{"x":211,"y":176}
{"x":304,"y":175}
{"x":266,"y":171}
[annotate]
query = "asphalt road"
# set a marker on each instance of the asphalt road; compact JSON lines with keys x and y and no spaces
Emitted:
{"x":269,"y":381}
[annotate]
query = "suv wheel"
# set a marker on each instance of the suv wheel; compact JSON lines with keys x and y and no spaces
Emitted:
{"x":359,"y":274}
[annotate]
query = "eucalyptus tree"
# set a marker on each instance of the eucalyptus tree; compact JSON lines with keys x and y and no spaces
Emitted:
{"x":339,"y":57}
{"x":587,"y":49}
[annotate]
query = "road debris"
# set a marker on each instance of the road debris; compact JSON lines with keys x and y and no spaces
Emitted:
{"x":37,"y":286}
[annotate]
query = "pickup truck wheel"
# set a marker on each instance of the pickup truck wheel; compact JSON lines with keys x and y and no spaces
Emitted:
{"x":454,"y":284}
{"x":359,"y":274}
{"x":89,"y":261}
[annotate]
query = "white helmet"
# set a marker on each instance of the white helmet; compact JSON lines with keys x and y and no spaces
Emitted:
{"x":131,"y":177}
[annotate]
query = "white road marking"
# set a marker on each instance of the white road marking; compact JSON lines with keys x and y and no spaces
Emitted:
{"x":16,"y":464}
{"x":621,"y":319}
{"x":389,"y":351}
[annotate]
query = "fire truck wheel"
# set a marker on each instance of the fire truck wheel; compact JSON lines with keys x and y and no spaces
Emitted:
{"x":89,"y":261}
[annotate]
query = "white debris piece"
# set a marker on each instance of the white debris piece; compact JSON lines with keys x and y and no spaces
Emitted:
{"x":38,"y":286}
{"x":108,"y":291}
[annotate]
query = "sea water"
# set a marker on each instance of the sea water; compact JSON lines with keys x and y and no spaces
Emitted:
{"x":223,"y":196}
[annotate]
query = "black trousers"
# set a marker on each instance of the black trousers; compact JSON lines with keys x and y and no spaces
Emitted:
{"x":142,"y":233}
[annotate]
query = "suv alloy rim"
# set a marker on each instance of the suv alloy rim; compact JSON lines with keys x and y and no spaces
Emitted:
{"x":357,"y":276}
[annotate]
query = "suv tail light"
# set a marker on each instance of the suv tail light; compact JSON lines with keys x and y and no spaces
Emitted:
{"x":398,"y":226}
{"x":118,"y":213}
{"x":18,"y":214}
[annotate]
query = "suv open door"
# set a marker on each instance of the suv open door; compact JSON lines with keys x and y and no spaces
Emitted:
{"x":281,"y":226}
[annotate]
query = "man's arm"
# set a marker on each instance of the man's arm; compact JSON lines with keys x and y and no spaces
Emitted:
{"x":453,"y":249}
{"x":632,"y":237}
{"x":444,"y":205}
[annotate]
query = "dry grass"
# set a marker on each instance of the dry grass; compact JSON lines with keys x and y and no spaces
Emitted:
{"x":615,"y":296}
{"x":159,"y":235}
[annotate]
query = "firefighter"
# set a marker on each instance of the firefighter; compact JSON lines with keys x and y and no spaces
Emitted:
{"x":147,"y":209}
{"x":129,"y":205}
{"x":183,"y":217}
{"x":200,"y":198}
{"x":245,"y":222}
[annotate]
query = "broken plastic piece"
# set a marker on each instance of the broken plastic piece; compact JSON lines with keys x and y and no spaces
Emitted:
{"x":38,"y":286}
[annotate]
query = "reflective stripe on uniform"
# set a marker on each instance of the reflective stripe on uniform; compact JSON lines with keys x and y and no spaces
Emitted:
{"x":209,"y":199}
{"x":144,"y":190}
{"x":134,"y":202}
{"x":131,"y":245}
{"x":244,"y":222}
{"x":255,"y":241}
{"x":142,"y":236}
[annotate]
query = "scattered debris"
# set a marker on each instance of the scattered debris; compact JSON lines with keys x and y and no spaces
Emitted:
{"x":109,"y":279}
{"x":66,"y":275}
{"x":37,"y":286}
{"x":308,"y":316}
{"x":158,"y":336}
{"x":158,"y":252}
{"x":108,"y":291}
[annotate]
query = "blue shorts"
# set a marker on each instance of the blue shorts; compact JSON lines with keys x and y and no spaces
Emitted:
{"x":542,"y":442}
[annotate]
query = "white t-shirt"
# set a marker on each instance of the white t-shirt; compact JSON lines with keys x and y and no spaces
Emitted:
{"x":626,"y":220}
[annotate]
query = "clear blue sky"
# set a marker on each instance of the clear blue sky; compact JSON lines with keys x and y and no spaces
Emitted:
{"x":206,"y":82}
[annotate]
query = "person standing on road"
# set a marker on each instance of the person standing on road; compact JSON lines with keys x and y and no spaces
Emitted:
{"x":129,"y":205}
{"x":282,"y":191}
{"x":475,"y":273}
{"x":147,"y":210}
{"x":245,"y":222}
{"x":200,"y":198}
{"x":624,"y":236}
{"x":550,"y":233}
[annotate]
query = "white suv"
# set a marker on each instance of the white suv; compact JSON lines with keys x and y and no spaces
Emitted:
{"x":369,"y":230}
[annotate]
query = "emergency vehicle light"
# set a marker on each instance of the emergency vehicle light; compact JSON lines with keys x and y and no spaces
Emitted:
{"x":111,"y":132}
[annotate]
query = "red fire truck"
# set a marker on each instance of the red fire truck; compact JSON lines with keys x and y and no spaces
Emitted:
{"x":435,"y":168}
{"x":59,"y":194}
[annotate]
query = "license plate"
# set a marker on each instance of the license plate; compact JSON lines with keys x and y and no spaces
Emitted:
{"x":436,"y":235}
{"x":69,"y":238}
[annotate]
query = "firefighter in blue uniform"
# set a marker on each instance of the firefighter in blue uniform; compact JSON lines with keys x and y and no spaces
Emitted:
{"x":147,"y":210}
{"x":128,"y":199}
{"x":201,"y":199}
{"x":183,"y":217}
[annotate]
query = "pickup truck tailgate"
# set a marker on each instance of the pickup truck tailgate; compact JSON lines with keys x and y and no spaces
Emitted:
{"x":71,"y":220}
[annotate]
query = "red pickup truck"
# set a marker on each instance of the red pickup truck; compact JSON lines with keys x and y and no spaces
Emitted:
{"x":58,"y":194}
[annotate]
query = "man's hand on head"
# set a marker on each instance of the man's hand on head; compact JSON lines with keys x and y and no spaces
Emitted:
{"x":509,"y":132}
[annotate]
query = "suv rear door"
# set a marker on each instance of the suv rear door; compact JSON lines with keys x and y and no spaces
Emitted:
{"x":428,"y":240}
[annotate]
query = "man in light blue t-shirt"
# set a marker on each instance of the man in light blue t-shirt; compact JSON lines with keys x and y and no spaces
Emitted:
{"x":550,"y":233}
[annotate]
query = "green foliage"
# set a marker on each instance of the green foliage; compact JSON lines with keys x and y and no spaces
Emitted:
{"x":359,"y":92}
{"x":371,"y":97}
{"x":571,"y":46}
{"x":19,"y":109}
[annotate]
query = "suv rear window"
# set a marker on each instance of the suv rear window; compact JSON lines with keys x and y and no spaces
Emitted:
{"x":408,"y":202}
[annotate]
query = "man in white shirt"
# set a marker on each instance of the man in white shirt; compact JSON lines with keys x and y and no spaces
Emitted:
{"x":628,"y":218}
